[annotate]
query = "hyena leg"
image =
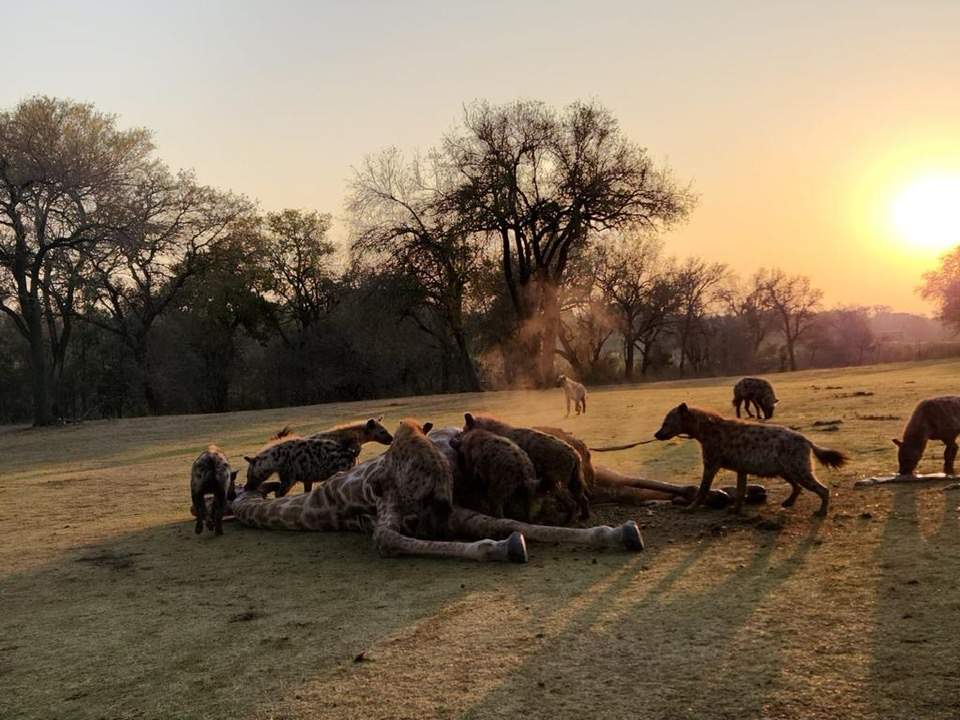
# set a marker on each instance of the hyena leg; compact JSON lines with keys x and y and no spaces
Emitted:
{"x":307,"y":485}
{"x":949,"y":455}
{"x":806,"y":479}
{"x":219,"y":503}
{"x":741,"y":492}
{"x":286,"y":482}
{"x":583,"y":404}
{"x":470,"y":523}
{"x":709,"y":471}
{"x":736,"y":404}
{"x":390,"y":542}
{"x":200,"y":509}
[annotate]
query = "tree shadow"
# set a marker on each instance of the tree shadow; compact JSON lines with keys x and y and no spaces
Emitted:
{"x":164,"y":623}
{"x":662,"y":647}
{"x":915,"y":652}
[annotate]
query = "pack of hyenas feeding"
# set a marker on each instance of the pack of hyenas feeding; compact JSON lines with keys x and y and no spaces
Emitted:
{"x":482,"y":490}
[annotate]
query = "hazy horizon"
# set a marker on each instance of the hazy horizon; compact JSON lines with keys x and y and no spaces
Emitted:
{"x":800,"y":125}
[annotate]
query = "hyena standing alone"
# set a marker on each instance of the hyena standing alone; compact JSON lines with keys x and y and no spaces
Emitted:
{"x":573,"y":391}
{"x":211,"y":474}
{"x":936,"y":418}
{"x":757,"y":391}
{"x":748,"y":448}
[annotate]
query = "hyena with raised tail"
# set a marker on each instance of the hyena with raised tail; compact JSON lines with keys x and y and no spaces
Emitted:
{"x":749,"y":448}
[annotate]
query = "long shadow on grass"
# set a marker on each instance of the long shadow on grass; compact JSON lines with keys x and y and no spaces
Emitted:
{"x":915,"y":654}
{"x":164,"y":623}
{"x":679,"y":646}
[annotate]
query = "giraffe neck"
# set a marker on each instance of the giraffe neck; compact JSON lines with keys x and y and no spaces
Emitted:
{"x":346,"y":501}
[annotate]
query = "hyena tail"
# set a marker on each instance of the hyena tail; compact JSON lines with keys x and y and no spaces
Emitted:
{"x":830,"y":458}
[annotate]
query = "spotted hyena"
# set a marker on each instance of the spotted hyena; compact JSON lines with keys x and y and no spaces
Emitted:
{"x":418,"y":482}
{"x":573,"y":391}
{"x":936,"y":418}
{"x":748,"y":448}
{"x":757,"y":391}
{"x":313,"y":458}
{"x":211,"y":475}
{"x":495,"y":476}
{"x":556,"y":464}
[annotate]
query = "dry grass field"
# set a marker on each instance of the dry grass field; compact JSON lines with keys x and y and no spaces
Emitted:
{"x":114,"y":608}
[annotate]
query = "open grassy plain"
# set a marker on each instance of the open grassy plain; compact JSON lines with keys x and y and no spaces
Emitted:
{"x":113,"y":608}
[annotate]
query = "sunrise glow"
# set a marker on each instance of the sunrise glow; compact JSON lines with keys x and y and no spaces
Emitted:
{"x":926,"y":213}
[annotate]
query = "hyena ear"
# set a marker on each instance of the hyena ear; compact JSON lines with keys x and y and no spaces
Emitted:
{"x":427,"y":427}
{"x":371,"y":423}
{"x":776,"y":401}
{"x":468,"y":420}
{"x":897,"y":442}
{"x":248,"y":458}
{"x":683,"y":408}
{"x":233,"y":475}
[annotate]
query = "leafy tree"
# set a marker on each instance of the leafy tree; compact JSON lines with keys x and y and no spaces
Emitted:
{"x":64,"y":169}
{"x":539,"y":184}
{"x":302,"y":262}
{"x":171,"y":226}
{"x":941,"y":287}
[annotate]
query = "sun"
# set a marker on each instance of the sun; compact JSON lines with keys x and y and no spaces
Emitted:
{"x":926,"y":213}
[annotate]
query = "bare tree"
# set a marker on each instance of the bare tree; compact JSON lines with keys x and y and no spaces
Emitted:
{"x":587,"y":320}
{"x":402,"y":228}
{"x":792,"y":301}
{"x":638,"y":284}
{"x":539,"y":184}
{"x":745,"y":304}
{"x":941,"y":287}
{"x":64,"y":169}
{"x":697,"y":283}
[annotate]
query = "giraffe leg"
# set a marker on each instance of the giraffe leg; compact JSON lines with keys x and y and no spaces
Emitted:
{"x":605,"y":477}
{"x":473,"y":524}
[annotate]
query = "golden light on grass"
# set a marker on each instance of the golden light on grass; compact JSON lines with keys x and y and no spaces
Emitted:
{"x":926,"y":213}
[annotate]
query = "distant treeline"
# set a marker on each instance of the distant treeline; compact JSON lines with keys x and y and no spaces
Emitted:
{"x":527,"y":244}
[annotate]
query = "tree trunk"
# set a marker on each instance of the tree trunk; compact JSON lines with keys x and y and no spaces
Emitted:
{"x":550,"y":308}
{"x":39,"y":372}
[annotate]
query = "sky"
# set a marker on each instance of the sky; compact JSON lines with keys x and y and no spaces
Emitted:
{"x":822,"y":136}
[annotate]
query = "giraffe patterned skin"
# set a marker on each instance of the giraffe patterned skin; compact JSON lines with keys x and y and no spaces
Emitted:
{"x":404,"y":499}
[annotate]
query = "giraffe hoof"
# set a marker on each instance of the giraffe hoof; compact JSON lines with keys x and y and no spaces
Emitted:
{"x":517,"y":548}
{"x":632,"y":539}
